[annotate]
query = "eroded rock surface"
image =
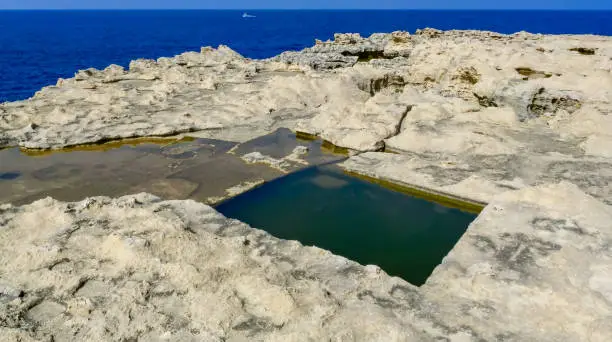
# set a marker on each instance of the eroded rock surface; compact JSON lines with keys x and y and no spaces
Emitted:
{"x":140,"y":268}
{"x":212,"y":94}
{"x":473,"y":114}
{"x":480,"y":178}
{"x":535,"y":259}
{"x":396,"y":89}
{"x":534,"y":266}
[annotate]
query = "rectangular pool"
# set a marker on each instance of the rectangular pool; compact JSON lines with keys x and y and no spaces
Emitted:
{"x":321,"y":206}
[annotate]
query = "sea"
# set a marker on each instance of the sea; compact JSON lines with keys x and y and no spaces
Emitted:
{"x":38,"y":47}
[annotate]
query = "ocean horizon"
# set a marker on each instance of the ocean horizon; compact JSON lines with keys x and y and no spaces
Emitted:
{"x":39,"y":46}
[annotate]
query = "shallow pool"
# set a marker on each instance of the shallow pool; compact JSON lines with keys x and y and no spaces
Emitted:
{"x":406,"y":236}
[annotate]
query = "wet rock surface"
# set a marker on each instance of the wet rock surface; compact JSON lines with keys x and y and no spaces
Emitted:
{"x":480,"y":178}
{"x":205,"y":170}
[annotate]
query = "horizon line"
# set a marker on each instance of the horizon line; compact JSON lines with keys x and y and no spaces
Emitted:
{"x":306,"y":9}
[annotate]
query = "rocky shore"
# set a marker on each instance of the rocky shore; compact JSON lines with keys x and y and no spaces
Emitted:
{"x":522,"y":123}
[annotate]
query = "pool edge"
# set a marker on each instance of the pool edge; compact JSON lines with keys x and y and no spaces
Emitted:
{"x":443,"y":198}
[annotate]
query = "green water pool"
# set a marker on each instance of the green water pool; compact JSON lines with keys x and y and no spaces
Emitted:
{"x":321,"y":206}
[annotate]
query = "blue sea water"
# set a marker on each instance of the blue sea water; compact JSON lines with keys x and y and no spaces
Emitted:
{"x":38,"y":47}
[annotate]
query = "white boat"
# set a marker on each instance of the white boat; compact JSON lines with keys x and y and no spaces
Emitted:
{"x":246,"y":15}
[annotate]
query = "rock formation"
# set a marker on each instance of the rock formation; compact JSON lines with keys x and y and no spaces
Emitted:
{"x":532,"y":108}
{"x":476,"y":88}
{"x":522,"y":122}
{"x":534,"y":266}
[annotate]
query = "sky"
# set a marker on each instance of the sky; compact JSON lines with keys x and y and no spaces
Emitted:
{"x":305,"y":4}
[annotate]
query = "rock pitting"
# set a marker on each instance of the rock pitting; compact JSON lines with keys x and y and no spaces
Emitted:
{"x":532,"y":83}
{"x":521,"y":122}
{"x":137,"y":267}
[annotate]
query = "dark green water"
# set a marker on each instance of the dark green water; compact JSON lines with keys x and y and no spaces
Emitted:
{"x":406,"y":236}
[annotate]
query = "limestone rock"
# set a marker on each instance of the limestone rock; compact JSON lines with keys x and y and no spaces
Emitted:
{"x":353,"y":91}
{"x":481,"y":177}
{"x":137,"y":267}
{"x":470,"y":114}
{"x":540,"y":270}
